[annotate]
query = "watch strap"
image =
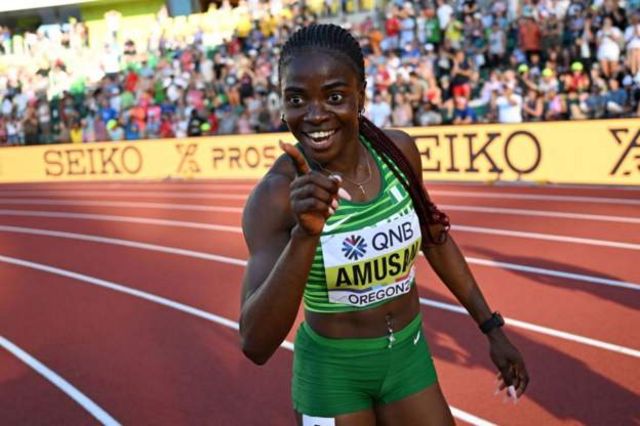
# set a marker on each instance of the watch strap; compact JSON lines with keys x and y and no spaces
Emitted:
{"x":494,"y":321}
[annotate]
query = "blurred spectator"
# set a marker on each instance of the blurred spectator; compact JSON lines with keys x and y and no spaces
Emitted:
{"x":462,"y":73}
{"x":530,"y":36}
{"x":555,"y":106}
{"x":166,"y":127}
{"x":616,"y":99}
{"x":632,"y":40}
{"x":76,"y":133}
{"x":13,"y":131}
{"x":609,"y":39}
{"x":132,"y":129}
{"x":64,"y":135}
{"x":462,"y":112}
{"x":115,"y":131}
{"x":509,"y":106}
{"x":533,"y":108}
{"x":445,"y":11}
{"x":402,"y":115}
{"x":497,"y":41}
{"x":195,"y":124}
{"x":380,"y":111}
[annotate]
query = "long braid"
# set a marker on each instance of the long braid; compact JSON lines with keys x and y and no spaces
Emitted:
{"x":427,"y":211}
{"x":339,"y":41}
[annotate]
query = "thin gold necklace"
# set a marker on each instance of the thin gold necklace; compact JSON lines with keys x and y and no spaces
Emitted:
{"x":361,"y":184}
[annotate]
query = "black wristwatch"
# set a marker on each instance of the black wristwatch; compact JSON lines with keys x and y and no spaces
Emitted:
{"x":495,"y":321}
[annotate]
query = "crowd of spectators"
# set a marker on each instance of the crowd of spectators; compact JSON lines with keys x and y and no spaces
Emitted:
{"x":448,"y":62}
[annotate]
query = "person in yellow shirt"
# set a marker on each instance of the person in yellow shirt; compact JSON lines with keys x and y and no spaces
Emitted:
{"x":286,"y":15}
{"x":268,"y":25}
{"x":76,"y":132}
{"x":315,"y":6}
{"x":453,"y":34}
{"x":244,"y":26}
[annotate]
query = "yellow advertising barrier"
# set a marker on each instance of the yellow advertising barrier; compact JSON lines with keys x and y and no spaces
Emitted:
{"x":583,"y":152}
{"x":590,"y":152}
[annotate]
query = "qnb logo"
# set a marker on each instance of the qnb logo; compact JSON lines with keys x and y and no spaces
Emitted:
{"x":354,"y":247}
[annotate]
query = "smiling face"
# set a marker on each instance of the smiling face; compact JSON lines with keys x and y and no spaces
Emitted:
{"x":321,"y":97}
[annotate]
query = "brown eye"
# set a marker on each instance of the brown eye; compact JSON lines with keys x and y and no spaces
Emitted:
{"x":295,"y":100}
{"x":336,"y":98}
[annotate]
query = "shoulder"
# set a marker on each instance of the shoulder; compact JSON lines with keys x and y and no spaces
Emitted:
{"x":274,"y":184}
{"x":400,"y":138}
{"x":267,"y":210}
{"x":407,"y":146}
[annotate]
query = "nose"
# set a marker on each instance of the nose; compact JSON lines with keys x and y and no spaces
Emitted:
{"x":316,"y":113}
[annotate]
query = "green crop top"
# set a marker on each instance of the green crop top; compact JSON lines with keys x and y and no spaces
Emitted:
{"x":367,"y":251}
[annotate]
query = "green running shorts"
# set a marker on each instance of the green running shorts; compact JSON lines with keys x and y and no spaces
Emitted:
{"x":340,"y":376}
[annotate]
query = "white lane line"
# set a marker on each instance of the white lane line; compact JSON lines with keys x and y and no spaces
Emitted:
{"x":542,"y":330}
{"x":539,"y":197}
{"x":125,"y":243}
{"x":195,"y":207}
{"x":541,"y":213}
{"x":238,"y":230}
{"x":125,"y":219}
{"x":554,"y":273}
{"x":469,"y":418}
{"x":462,"y":415}
{"x":449,"y":207}
{"x":223,"y":196}
{"x":547,"y":237}
{"x":135,"y":185}
{"x":71,"y":391}
{"x":242,"y":262}
{"x":122,"y":204}
{"x":125,"y":193}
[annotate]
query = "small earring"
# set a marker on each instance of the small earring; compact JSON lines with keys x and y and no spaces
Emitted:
{"x":361,"y":113}
{"x":282,"y":118}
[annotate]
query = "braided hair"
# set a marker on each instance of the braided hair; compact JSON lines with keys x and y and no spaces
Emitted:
{"x":338,"y":41}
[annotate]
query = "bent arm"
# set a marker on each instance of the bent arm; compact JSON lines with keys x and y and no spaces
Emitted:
{"x":446,"y":259}
{"x":279,"y":263}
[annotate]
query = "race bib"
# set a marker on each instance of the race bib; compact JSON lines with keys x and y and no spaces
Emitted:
{"x":372,"y":264}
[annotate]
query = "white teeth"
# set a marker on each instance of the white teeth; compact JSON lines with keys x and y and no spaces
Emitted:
{"x":321,"y":135}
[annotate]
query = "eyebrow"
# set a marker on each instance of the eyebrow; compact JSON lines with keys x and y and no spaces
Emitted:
{"x":327,"y":86}
{"x":334,"y":84}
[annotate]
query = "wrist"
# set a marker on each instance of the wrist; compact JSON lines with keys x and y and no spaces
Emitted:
{"x":494,"y":322}
{"x":298,"y":233}
{"x":496,"y":335}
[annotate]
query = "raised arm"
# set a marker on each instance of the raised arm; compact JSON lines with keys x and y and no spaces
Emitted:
{"x":282,"y":223}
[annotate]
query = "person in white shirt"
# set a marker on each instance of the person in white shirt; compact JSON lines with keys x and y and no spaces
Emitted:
{"x":110,"y":61}
{"x":609,"y":39}
{"x":632,"y":40}
{"x":444,"y":13}
{"x":509,"y":106}
{"x":379,"y":111}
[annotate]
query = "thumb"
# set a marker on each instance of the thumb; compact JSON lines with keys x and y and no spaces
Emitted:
{"x":299,"y":162}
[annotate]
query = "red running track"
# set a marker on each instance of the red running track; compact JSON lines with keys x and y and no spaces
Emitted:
{"x":125,"y":295}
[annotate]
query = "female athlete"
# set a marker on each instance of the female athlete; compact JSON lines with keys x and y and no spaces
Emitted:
{"x":337,"y":224}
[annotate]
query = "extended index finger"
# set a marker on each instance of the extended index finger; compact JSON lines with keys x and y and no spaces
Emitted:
{"x":302,"y":168}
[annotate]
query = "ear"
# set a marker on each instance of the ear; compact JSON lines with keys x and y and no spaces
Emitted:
{"x":362,"y":96}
